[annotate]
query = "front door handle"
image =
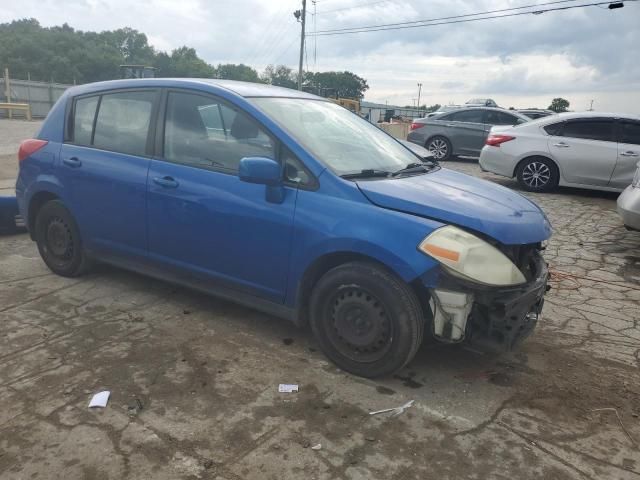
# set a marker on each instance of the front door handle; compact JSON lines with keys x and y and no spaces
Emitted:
{"x":73,"y":162}
{"x":166,"y":182}
{"x":561,"y":145}
{"x":629,"y":154}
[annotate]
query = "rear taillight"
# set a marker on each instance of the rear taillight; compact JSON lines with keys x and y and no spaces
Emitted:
{"x":496,"y":140}
{"x":415,"y":125}
{"x":29,"y":147}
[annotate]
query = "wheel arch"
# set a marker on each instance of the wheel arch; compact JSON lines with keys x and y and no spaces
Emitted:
{"x":35,"y":204}
{"x":328,"y":261}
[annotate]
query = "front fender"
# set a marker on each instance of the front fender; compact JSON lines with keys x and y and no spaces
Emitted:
{"x":327,"y":225}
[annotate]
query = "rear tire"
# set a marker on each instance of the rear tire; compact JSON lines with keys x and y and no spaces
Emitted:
{"x":537,"y":174}
{"x":58,"y":239}
{"x":366,"y":320}
{"x":440,"y":147}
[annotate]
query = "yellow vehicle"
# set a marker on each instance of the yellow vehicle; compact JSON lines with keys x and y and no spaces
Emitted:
{"x":348,"y":103}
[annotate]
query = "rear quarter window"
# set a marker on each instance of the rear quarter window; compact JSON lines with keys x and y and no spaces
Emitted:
{"x":553,"y":129}
{"x":84,"y":112}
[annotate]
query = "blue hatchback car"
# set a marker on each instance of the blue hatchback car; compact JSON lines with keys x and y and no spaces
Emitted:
{"x":288,"y":203}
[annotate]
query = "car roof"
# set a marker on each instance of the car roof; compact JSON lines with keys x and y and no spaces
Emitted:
{"x":243,"y":89}
{"x":590,"y":114}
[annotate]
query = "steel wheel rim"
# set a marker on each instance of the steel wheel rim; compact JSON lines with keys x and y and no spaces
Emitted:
{"x":536,"y":175}
{"x":438,"y":147}
{"x":59,"y":240}
{"x":358,"y":326}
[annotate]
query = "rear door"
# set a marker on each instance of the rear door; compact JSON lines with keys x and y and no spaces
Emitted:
{"x":586,"y":150}
{"x":466,"y":131}
{"x":203,"y":221}
{"x":628,"y":153}
{"x":104,"y":165}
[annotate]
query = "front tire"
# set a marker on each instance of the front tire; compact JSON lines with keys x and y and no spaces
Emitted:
{"x":440,"y":147}
{"x":537,"y":174}
{"x":366,"y":320}
{"x":58,"y":239}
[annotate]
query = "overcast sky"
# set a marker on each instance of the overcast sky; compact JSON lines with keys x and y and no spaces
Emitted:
{"x":525,"y":61}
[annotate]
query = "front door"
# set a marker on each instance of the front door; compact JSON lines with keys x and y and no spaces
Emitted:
{"x":103,"y":169}
{"x":467,"y":131}
{"x":201,"y":218}
{"x":628,"y":153}
{"x":586,"y":150}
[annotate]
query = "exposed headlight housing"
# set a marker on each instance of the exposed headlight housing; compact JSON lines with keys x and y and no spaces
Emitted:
{"x":470,"y":257}
{"x":636,"y":178}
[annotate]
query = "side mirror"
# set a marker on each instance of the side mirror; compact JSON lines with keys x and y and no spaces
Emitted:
{"x":261,"y":170}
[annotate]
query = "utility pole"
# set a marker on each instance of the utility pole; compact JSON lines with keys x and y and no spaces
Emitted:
{"x":419,"y":91}
{"x":301,"y":15}
{"x":591,"y":107}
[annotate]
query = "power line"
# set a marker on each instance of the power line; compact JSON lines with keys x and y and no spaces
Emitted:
{"x":458,"y":18}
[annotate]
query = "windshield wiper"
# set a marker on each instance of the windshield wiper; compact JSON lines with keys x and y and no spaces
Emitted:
{"x":367,"y":173}
{"x":413,"y":168}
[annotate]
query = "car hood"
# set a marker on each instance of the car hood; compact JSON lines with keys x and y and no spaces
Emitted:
{"x":459,"y":199}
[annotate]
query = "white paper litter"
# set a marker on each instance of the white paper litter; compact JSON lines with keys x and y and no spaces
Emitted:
{"x":100,"y":399}
{"x":287,"y":388}
{"x":396,"y":410}
{"x":317,"y":447}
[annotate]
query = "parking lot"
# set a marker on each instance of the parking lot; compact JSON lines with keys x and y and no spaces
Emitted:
{"x":194,"y":380}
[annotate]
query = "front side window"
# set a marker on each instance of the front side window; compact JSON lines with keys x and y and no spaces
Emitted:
{"x":123,"y":122}
{"x":630,"y":132}
{"x":601,"y":130}
{"x":84,"y":113}
{"x":203,"y":131}
{"x":467,"y":116}
{"x":341,"y":140}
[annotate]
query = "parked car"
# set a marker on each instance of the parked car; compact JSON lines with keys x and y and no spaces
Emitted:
{"x":461,"y":132}
{"x":629,"y":203}
{"x":481,"y":102}
{"x":443,"y":109}
{"x":535,"y":113}
{"x":583,"y":150}
{"x":290,"y":204}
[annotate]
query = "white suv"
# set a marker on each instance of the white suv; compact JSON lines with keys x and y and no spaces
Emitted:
{"x":584,"y":150}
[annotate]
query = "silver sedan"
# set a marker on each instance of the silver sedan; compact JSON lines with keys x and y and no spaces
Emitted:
{"x":629,"y":203}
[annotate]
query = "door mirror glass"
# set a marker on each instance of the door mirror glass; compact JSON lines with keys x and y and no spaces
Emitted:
{"x":261,"y":170}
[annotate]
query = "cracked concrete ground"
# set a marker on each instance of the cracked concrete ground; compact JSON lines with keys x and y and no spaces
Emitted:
{"x":205,"y":371}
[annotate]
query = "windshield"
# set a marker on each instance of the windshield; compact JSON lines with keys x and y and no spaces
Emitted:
{"x":341,"y":140}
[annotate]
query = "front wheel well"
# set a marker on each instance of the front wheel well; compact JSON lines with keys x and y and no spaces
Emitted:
{"x":327,"y":262}
{"x":533,"y":157}
{"x":36,"y":203}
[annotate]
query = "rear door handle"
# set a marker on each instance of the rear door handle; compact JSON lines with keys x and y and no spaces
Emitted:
{"x":629,"y":154}
{"x":561,"y":145}
{"x":73,"y":162}
{"x":166,"y":182}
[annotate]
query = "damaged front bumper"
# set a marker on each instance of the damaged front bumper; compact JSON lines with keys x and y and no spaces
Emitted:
{"x":488,"y":318}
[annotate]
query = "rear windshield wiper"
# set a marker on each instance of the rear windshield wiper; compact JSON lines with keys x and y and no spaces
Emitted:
{"x":367,"y":173}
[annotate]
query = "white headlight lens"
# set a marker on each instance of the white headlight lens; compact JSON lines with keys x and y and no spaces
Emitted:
{"x":471,"y":257}
{"x":636,"y":178}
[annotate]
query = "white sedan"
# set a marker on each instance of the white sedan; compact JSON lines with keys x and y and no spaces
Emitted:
{"x":584,"y":150}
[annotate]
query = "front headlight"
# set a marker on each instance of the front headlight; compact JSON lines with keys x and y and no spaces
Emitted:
{"x":470,"y":257}
{"x":636,"y":178}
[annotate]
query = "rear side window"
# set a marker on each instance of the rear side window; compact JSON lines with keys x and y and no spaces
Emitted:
{"x":123,"y":122}
{"x":470,"y":116}
{"x":601,"y":130}
{"x":553,"y":129}
{"x":203,"y":131}
{"x":500,"y":118}
{"x":630,"y":132}
{"x":83,"y":116}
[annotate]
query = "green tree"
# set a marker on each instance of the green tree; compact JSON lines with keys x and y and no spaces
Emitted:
{"x":183,"y":62}
{"x":281,"y":76}
{"x":341,"y":84}
{"x":232,"y":71}
{"x":559,"y":105}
